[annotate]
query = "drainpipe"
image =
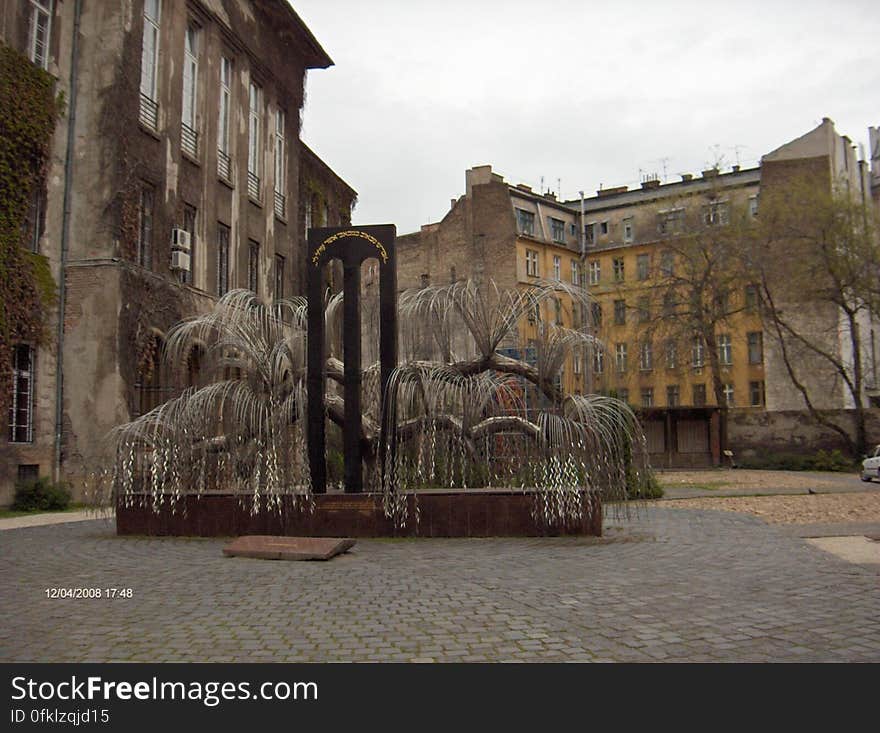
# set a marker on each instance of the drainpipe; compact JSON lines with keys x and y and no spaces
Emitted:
{"x":65,"y":236}
{"x":583,"y":230}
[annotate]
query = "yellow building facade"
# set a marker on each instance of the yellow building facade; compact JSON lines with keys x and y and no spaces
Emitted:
{"x":638,"y":269}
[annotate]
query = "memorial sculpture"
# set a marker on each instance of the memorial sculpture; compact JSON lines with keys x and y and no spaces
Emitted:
{"x":456,"y":400}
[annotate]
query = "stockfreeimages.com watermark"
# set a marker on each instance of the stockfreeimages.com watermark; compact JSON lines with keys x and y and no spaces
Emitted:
{"x":210,"y":694}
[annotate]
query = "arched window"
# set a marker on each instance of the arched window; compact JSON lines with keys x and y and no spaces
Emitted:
{"x":153,"y":385}
{"x":194,"y":376}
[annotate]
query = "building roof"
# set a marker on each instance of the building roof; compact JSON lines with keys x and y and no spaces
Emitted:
{"x":309,"y":156}
{"x":315,"y":56}
{"x":621,"y":196}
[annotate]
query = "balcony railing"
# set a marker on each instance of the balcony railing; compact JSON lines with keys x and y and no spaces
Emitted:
{"x":224,"y":166}
{"x":253,"y":186}
{"x":149,"y":112}
{"x":189,"y":140}
{"x":280,"y":205}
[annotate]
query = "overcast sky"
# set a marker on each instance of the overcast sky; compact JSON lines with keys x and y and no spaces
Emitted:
{"x":586,"y":92}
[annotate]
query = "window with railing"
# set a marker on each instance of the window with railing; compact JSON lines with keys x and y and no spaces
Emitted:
{"x":253,"y":185}
{"x":189,"y":136}
{"x":280,"y":164}
{"x":224,"y":163}
{"x":189,"y":140}
{"x":255,"y":148}
{"x":149,"y":107}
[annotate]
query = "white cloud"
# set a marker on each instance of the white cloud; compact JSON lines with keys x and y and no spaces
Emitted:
{"x":589,"y":93}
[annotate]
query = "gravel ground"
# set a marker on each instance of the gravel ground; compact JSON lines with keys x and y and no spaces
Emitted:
{"x":800,"y":509}
{"x":736,"y":481}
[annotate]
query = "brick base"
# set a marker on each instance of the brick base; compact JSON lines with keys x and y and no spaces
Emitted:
{"x":477,"y":513}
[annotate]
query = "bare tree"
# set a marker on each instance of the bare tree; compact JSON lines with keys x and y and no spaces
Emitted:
{"x":692,"y":296}
{"x":816,"y":255}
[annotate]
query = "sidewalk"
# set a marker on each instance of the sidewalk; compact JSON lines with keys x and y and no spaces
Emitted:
{"x":42,"y":518}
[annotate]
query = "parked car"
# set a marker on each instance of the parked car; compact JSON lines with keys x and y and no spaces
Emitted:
{"x":871,"y":465}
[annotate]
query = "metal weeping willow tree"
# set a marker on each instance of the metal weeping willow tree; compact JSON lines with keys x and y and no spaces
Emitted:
{"x":458,"y":398}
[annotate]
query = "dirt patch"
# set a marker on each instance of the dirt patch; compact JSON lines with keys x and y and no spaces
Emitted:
{"x":757,"y":481}
{"x":799,"y":509}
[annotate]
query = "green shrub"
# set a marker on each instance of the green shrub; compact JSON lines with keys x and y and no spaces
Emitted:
{"x":40,"y":495}
{"x":822,"y":460}
{"x":643,"y":485}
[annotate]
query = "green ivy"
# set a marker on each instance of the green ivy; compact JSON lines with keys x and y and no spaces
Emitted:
{"x":29,"y":109}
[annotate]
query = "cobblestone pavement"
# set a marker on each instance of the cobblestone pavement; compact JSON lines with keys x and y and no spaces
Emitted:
{"x":672,"y":584}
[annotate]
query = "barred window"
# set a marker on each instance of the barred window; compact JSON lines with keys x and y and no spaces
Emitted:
{"x":21,"y":406}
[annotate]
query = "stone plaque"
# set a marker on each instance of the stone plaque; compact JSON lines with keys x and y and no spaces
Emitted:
{"x":267,"y":547}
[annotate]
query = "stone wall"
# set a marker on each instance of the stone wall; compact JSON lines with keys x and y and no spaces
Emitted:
{"x":751,"y":432}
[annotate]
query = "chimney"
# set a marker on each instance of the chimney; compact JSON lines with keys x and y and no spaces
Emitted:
{"x":602,"y":192}
{"x":685,"y":177}
{"x":524,"y":187}
{"x":736,"y":169}
{"x":651,"y":183}
{"x":710,"y":173}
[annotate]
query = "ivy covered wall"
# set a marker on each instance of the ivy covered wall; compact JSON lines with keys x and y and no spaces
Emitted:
{"x":29,"y":109}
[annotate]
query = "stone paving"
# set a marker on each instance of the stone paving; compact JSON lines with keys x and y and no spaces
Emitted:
{"x":671,"y":585}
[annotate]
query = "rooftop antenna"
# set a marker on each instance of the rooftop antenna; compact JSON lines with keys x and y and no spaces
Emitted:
{"x":541,"y":189}
{"x":559,"y":188}
{"x":663,"y":162}
{"x":736,"y":149}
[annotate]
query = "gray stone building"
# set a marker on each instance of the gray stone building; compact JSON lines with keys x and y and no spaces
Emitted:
{"x":176,"y":174}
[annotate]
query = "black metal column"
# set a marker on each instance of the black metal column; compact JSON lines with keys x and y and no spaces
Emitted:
{"x":388,"y":362}
{"x":351,"y":349}
{"x":315,"y":380}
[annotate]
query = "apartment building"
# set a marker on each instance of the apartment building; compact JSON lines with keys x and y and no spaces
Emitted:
{"x":513,"y":236}
{"x":629,"y":262}
{"x":644,"y":244}
{"x":177,"y":173}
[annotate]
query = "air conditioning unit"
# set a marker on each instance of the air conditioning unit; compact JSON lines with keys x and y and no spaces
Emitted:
{"x":180,"y":239}
{"x":180,"y":261}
